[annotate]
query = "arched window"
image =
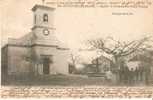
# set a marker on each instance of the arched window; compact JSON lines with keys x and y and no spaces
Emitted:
{"x":45,"y":17}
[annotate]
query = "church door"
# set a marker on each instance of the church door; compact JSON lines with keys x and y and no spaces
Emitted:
{"x":46,"y":65}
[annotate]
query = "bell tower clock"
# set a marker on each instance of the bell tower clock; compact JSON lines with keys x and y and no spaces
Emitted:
{"x":43,"y":22}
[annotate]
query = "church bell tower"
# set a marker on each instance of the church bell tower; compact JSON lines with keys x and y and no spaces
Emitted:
{"x":43,"y":22}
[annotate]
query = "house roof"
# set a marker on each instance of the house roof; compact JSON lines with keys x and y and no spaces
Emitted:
{"x":101,"y":59}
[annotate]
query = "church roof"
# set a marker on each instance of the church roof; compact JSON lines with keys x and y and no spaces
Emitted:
{"x":29,"y":40}
{"x":24,"y":41}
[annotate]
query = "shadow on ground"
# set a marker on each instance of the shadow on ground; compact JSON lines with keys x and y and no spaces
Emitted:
{"x":57,"y":80}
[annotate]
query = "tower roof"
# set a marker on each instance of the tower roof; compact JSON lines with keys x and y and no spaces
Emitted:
{"x":42,"y":7}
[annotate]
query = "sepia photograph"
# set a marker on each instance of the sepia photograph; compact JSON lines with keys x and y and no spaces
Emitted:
{"x":66,"y":43}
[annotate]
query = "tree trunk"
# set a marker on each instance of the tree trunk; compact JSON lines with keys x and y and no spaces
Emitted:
{"x":97,"y":66}
{"x":117,"y":68}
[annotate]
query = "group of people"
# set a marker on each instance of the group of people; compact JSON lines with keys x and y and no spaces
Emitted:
{"x":134,"y":76}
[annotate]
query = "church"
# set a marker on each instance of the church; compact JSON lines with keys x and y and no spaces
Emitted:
{"x":38,"y":52}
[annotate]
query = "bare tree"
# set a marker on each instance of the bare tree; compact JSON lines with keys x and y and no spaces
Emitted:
{"x":117,"y":49}
{"x":96,"y":63}
{"x":74,"y":58}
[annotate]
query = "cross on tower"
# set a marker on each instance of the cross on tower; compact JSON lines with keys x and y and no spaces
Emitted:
{"x":43,"y":2}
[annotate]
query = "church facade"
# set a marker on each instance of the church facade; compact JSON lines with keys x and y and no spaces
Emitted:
{"x":38,"y":52}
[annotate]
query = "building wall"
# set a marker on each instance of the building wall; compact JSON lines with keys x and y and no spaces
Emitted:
{"x":62,"y":61}
{"x":40,"y":25}
{"x":17,"y":63}
{"x":49,"y":39}
{"x":4,"y":58}
{"x":59,"y":57}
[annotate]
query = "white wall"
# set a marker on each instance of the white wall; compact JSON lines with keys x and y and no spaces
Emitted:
{"x":16,"y":60}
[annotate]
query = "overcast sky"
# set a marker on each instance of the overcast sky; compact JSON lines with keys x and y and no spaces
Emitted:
{"x":74,"y":25}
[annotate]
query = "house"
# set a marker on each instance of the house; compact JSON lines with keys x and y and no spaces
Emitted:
{"x":86,"y":61}
{"x":99,"y":65}
{"x":143,"y":60}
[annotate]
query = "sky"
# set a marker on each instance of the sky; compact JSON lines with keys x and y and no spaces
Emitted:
{"x":76,"y":25}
